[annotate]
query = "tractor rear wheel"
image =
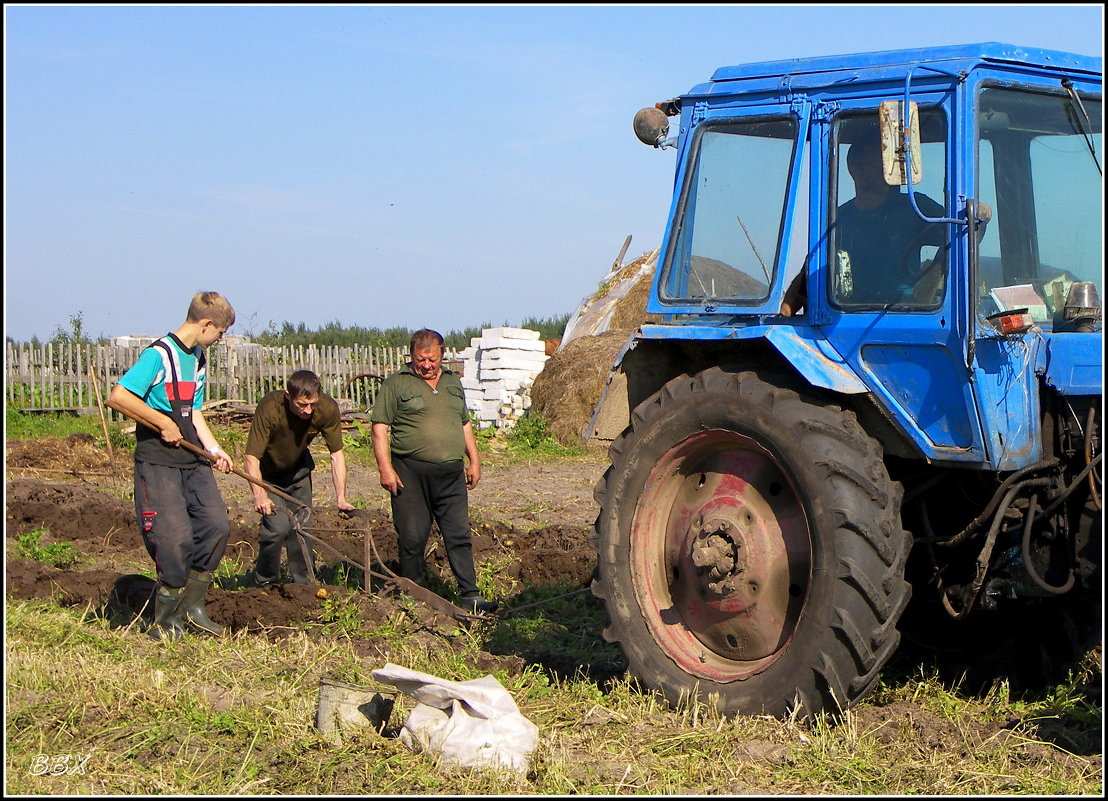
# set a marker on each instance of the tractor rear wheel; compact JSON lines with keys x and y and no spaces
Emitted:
{"x":750,"y":552}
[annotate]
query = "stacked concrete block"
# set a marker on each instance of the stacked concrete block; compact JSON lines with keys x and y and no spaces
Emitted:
{"x":498,"y":368}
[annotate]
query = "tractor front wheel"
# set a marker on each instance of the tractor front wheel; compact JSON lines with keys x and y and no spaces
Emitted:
{"x":750,"y":553}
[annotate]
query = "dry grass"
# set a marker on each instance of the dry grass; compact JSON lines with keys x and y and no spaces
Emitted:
{"x":235,"y":716}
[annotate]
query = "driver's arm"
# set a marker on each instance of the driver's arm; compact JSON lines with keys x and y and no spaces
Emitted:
{"x":796,"y":296}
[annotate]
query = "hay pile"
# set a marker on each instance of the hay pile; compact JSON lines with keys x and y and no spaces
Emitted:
{"x":630,"y":312}
{"x":572,"y":380}
{"x":570,"y":383}
{"x":619,"y":303}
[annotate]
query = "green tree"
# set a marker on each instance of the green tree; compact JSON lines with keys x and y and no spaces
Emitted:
{"x":335,"y":333}
{"x":76,"y":335}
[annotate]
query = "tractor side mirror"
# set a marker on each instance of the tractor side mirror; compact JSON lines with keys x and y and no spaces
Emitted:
{"x":894,"y":130}
{"x":651,"y":126}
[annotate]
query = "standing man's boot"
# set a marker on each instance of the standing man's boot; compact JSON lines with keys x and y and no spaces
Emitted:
{"x":192,"y":603}
{"x":167,"y":614}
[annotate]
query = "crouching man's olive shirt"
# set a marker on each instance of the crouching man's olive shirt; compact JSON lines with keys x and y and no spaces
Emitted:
{"x":279,"y":439}
{"x":425,"y":423}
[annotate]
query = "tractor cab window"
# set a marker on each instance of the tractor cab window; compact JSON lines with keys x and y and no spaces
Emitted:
{"x":729,"y":224}
{"x":1039,"y":169}
{"x":882,"y":254}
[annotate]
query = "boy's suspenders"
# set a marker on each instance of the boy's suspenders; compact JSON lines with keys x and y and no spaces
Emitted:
{"x":182,"y":409}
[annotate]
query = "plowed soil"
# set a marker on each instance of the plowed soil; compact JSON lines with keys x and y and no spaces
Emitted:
{"x":532,"y":520}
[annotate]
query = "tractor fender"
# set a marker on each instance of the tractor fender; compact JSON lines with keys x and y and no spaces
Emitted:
{"x":801,"y":346}
{"x":815,"y":359}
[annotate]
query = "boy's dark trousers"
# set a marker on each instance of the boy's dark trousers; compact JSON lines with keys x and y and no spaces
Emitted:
{"x":182,"y":519}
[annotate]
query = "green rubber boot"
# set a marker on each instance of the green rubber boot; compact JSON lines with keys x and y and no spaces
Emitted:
{"x":192,"y":603}
{"x":167,"y":614}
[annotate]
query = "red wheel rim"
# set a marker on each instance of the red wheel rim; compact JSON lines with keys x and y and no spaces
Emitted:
{"x":720,"y":556}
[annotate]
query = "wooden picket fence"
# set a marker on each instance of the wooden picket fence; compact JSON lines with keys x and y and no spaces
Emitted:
{"x":76,"y":378}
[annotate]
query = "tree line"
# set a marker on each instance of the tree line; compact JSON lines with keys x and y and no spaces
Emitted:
{"x":335,"y":333}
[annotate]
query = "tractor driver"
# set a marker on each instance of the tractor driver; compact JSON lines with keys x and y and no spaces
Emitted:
{"x":877,"y":238}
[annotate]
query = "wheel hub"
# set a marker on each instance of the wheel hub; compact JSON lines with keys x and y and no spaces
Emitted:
{"x":716,"y":552}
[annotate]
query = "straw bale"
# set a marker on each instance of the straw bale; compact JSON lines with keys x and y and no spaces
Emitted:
{"x":572,"y":380}
{"x":630,"y":311}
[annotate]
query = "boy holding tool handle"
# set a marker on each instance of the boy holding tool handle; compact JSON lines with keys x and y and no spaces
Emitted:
{"x":180,"y":511}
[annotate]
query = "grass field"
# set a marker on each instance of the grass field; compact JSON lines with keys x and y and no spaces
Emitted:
{"x":95,"y":707}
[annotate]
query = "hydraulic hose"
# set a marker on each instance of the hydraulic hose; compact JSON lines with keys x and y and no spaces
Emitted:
{"x":1029,"y":565}
{"x":987,"y":549}
{"x":968,"y":531}
{"x":1090,"y":426}
{"x":1069,"y":490}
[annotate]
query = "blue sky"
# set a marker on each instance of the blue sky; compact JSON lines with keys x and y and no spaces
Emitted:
{"x":441,"y":166}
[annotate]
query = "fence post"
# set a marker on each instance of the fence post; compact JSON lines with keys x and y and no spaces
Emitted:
{"x":71,"y":375}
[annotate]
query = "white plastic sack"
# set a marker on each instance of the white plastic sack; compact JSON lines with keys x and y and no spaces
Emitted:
{"x":468,"y":723}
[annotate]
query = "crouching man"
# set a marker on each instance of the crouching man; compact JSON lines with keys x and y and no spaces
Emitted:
{"x":284,"y":425}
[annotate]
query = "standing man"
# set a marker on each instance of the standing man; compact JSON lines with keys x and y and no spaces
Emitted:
{"x":180,"y":511}
{"x":284,"y":425}
{"x":421,"y":437}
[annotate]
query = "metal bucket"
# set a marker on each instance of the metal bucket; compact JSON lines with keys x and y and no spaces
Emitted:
{"x":347,"y":706}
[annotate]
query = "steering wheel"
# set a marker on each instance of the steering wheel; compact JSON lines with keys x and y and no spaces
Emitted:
{"x":923,"y":283}
{"x":911,"y":264}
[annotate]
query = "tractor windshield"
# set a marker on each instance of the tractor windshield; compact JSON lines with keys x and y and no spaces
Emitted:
{"x":1038,"y":168}
{"x":731,"y":216}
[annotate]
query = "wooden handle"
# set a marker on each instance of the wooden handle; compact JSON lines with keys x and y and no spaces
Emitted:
{"x":196,"y":449}
{"x":188,"y":446}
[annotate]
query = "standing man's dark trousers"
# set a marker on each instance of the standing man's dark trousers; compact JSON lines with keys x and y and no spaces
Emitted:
{"x":433,"y":491}
{"x":277,"y":534}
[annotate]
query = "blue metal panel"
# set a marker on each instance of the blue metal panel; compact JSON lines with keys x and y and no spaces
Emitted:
{"x":1008,"y":398}
{"x":804,"y":348}
{"x":1075,"y":363}
{"x":1006,"y":376}
{"x":927,"y":384}
{"x":959,"y":57}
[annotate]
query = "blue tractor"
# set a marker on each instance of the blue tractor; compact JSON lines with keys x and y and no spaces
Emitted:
{"x":870,"y":413}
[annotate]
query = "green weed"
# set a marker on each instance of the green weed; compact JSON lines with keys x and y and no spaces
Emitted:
{"x":341,"y":617}
{"x":529,"y":434}
{"x":484,"y":437}
{"x":58,"y":554}
{"x":233,"y":574}
{"x":535,"y":438}
{"x":360,"y":438}
{"x":492,"y":578}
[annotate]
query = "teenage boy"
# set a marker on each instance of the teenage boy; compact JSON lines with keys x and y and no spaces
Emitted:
{"x":181,"y":514}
